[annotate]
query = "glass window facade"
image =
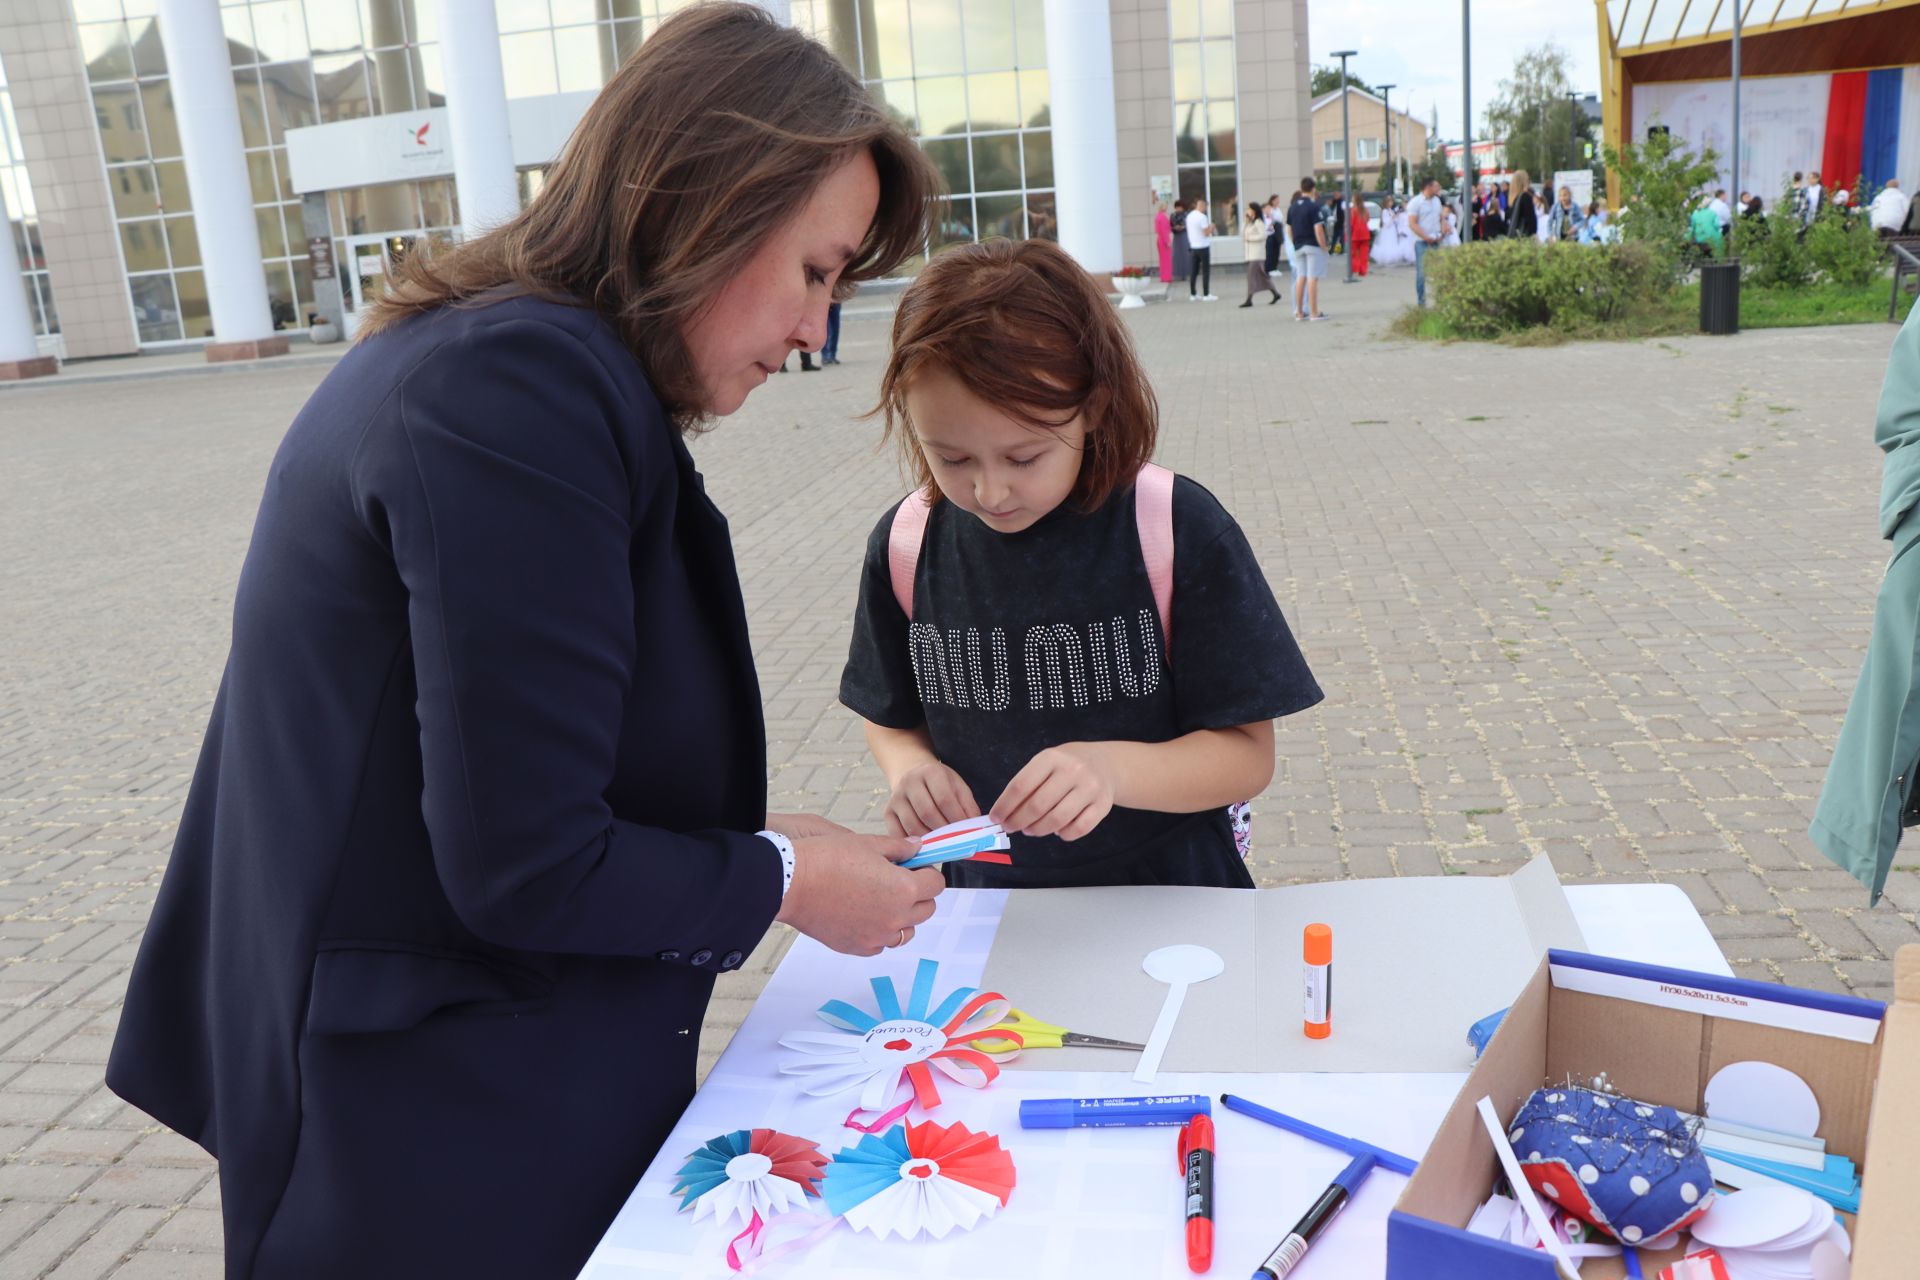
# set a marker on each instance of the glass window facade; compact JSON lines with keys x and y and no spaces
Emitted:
{"x":23,"y":218}
{"x":1205,"y":109}
{"x":969,"y":77}
{"x":294,"y":63}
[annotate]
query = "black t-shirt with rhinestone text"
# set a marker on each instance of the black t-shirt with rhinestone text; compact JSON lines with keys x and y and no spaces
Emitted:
{"x":1024,"y":641}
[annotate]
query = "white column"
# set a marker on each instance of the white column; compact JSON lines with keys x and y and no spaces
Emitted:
{"x":200,"y":75}
{"x":17,"y":343}
{"x":477,"y":112}
{"x":1086,"y":148}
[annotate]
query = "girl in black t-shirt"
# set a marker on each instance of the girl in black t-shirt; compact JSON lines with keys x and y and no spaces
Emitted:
{"x":1012,"y":644}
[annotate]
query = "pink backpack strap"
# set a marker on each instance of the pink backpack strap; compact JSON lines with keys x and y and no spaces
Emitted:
{"x":1153,"y":512}
{"x":903,"y":546}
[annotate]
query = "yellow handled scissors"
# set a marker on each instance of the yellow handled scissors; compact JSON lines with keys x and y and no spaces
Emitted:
{"x":1035,"y":1034}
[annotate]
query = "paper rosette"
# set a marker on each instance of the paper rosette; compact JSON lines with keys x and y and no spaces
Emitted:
{"x":919,"y":1177}
{"x":750,"y":1171}
{"x":874,"y":1053}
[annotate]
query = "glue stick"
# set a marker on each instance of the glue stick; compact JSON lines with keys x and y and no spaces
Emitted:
{"x":1317,"y":946}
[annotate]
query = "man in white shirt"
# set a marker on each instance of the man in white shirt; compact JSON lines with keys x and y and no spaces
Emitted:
{"x":1888,"y":212}
{"x":1426,"y":219}
{"x":1200,"y":241}
{"x":1810,"y":197}
{"x":1723,"y":211}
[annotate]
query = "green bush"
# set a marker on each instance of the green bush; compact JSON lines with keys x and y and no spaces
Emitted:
{"x":1488,"y":288}
{"x":1844,"y":248}
{"x":1772,"y":249}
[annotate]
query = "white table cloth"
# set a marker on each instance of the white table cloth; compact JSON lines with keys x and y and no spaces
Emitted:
{"x":1089,"y":1202}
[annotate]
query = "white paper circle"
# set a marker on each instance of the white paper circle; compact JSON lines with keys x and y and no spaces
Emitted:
{"x":1815,"y":1229}
{"x":1830,"y":1262}
{"x":748,"y":1166}
{"x":920,"y":1168}
{"x":1755,"y":1217}
{"x":902,"y":1043}
{"x":1763,"y":1096}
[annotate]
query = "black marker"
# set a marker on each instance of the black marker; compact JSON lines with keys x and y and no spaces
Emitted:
{"x":1285,"y":1258}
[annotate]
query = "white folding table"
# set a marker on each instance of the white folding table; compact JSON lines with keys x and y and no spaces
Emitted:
{"x":1089,"y":1202}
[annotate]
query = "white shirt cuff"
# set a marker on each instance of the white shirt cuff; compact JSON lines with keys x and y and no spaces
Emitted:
{"x":785,"y":848}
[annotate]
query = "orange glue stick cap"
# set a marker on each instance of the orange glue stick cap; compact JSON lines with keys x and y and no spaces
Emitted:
{"x":1319,"y":944}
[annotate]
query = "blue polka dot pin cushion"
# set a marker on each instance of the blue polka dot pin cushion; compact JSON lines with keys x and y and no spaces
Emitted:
{"x":1631,"y":1169}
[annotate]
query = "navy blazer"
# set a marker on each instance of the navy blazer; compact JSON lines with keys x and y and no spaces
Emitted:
{"x":472,"y":828}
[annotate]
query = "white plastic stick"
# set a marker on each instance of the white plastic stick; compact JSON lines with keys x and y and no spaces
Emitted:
{"x":1162,"y":1032}
{"x":1523,"y":1190}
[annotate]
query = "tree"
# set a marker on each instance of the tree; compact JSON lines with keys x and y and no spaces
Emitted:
{"x":1327,"y":80}
{"x":1433,"y":165}
{"x":1535,"y":117}
{"x":1661,"y":182}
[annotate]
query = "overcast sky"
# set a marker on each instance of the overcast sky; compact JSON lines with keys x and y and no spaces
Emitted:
{"x":1415,"y":45}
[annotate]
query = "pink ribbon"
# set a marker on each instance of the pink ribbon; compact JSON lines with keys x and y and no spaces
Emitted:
{"x":886,"y":1120}
{"x":747,"y":1252}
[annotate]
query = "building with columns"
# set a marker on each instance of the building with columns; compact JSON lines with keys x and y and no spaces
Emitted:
{"x":217,"y":173}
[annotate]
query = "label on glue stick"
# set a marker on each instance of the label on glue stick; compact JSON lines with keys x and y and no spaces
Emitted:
{"x":1319,"y":993}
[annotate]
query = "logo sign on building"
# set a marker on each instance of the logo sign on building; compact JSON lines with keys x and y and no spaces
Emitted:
{"x":320,"y":257}
{"x":369,"y":151}
{"x":372,"y":150}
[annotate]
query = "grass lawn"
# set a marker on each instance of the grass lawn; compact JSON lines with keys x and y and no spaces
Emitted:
{"x":1679,"y":312}
{"x":1814,"y":305}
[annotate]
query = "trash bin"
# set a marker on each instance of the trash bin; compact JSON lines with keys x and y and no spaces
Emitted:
{"x":1720,"y":297}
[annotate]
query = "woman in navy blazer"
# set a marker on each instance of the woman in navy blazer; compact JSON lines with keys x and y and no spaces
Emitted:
{"x":480,"y":811}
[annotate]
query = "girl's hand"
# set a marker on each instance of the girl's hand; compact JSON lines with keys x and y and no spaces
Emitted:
{"x":929,"y":796}
{"x":1064,"y":791}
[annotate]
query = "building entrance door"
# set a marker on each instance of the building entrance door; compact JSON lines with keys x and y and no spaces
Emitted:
{"x":367,"y":265}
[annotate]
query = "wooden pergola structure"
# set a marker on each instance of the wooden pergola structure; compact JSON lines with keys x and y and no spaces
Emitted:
{"x":1650,"y":41}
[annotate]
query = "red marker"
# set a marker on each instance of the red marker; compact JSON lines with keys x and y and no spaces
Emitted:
{"x":1196,"y":1162}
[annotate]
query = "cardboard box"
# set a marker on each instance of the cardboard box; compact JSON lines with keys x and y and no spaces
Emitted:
{"x":1659,"y":1035}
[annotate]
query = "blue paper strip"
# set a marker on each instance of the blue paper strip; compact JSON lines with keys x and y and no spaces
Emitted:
{"x":848,"y":1017}
{"x":922,"y":996}
{"x":952,"y":1005}
{"x":887,"y":998}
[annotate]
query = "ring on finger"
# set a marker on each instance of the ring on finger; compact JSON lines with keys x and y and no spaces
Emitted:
{"x":901,"y":941}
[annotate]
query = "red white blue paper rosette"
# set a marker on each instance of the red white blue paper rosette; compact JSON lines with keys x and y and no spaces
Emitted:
{"x":919,"y":1179}
{"x":875,"y":1052}
{"x":758,"y":1179}
{"x":748,"y":1172}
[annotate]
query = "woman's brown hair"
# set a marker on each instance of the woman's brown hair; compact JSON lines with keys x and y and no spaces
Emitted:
{"x":723,"y":114}
{"x":1023,"y":326}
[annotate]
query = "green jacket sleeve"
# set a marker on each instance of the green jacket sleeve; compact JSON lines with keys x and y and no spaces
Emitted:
{"x":1857,"y":820}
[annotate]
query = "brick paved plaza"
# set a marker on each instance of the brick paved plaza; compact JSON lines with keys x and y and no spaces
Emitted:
{"x":1605,"y":602}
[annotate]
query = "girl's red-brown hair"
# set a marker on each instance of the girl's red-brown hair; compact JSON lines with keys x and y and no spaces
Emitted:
{"x":1023,"y":326}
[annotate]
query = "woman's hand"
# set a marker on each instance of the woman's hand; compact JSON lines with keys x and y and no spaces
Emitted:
{"x":1064,"y":791}
{"x":927,"y":796}
{"x":797,"y":826}
{"x":848,"y":894}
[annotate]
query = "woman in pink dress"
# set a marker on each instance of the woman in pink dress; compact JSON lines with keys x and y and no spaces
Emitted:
{"x":1163,"y":238}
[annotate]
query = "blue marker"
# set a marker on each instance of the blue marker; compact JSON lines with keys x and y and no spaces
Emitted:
{"x":1105,"y":1113}
{"x":1344,"y":1187}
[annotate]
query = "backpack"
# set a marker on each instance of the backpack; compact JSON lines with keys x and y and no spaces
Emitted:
{"x":1153,"y":514}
